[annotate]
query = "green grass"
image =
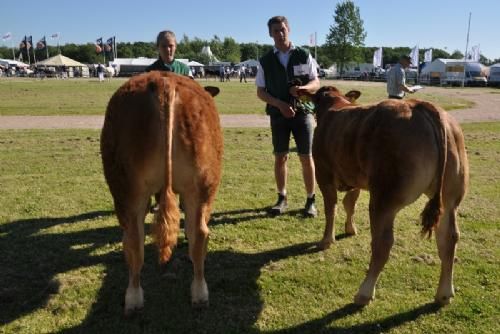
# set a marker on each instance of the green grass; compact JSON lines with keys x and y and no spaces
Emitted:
{"x":22,"y":96}
{"x":62,"y":269}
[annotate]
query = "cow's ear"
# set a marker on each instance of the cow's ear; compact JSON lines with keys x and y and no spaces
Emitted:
{"x":212,"y":90}
{"x":353,"y":95}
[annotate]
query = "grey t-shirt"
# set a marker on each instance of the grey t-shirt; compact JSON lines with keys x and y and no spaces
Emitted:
{"x":395,"y":78}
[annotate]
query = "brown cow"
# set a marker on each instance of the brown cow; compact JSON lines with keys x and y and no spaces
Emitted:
{"x":397,"y":150}
{"x":162,"y":134}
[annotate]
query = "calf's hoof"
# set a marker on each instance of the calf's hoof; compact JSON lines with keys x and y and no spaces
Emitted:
{"x":199,"y":294}
{"x":325,"y":244}
{"x":134,"y":301}
{"x":351,"y":230}
{"x":443,"y":300}
{"x":362,"y":300}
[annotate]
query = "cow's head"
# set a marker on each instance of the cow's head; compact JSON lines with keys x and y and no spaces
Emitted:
{"x":329,"y":98}
{"x":212,"y":90}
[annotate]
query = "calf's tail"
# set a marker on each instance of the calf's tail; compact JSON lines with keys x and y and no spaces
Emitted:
{"x":166,"y":227}
{"x":433,"y":210}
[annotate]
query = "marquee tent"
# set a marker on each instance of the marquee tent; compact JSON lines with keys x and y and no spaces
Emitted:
{"x":11,"y":63}
{"x":449,"y":71}
{"x":60,"y":60}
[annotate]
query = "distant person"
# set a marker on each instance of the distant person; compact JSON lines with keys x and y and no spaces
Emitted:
{"x":166,"y":43}
{"x":222,"y":73}
{"x":243,"y":73}
{"x":284,"y":73}
{"x":396,"y":79}
{"x":100,"y":72}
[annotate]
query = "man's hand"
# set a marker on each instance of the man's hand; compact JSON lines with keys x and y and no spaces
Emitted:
{"x":286,"y":110}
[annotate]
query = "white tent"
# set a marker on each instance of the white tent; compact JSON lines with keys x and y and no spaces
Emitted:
{"x":207,"y":51}
{"x":193,"y":63}
{"x":249,"y":63}
{"x":60,"y":60}
{"x":11,"y":63}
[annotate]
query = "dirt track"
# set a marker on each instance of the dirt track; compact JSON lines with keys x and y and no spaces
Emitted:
{"x":486,"y":109}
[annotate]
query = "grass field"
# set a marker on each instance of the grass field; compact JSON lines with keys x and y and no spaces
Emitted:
{"x":90,"y":97}
{"x":62,"y":268}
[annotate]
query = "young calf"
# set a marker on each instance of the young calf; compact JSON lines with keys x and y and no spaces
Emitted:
{"x":397,"y":150}
{"x":162,"y":135}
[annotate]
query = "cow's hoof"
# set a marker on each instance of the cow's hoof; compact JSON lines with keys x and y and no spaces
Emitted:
{"x":200,"y":305}
{"x":351,"y":230}
{"x":199,"y":294}
{"x":443,"y":300}
{"x":325,"y":244}
{"x":129,"y":313}
{"x":134,"y":300}
{"x":362,"y":300}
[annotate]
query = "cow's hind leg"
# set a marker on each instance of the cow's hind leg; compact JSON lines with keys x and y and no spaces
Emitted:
{"x":381,"y":226}
{"x":447,"y":235}
{"x":349,"y":202}
{"x":197,"y":233}
{"x":132,"y":220}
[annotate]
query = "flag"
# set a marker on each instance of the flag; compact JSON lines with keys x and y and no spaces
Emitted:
{"x":54,"y":35}
{"x":377,"y":58}
{"x":7,"y":36}
{"x":23,"y":43}
{"x":41,"y":44}
{"x":29,"y":43}
{"x":98,"y":45}
{"x":108,"y":47}
{"x":414,"y":56}
{"x":474,"y":53}
{"x":312,"y":40}
{"x":428,"y":56}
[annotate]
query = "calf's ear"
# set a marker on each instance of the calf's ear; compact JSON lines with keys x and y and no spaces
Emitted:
{"x":212,"y":90}
{"x":353,"y":95}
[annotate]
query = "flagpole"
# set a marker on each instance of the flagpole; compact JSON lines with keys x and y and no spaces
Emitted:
{"x":316,"y":46}
{"x":12,"y":47}
{"x":466,"y":47}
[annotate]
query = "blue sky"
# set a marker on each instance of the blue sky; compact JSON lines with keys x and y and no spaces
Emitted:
{"x":438,"y":23}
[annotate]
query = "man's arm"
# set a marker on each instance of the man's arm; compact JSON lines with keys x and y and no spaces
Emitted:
{"x":285,"y":109}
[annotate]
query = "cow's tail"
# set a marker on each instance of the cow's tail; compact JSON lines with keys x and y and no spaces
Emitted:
{"x":434,"y":208}
{"x":166,"y":227}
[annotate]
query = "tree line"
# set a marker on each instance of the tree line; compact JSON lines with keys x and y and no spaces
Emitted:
{"x":344,"y":44}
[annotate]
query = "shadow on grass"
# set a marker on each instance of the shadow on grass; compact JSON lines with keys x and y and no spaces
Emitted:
{"x":31,"y":261}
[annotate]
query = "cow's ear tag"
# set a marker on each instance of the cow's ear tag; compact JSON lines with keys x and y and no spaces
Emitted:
{"x":212,"y":90}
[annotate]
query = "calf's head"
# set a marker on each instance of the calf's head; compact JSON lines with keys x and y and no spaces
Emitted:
{"x":329,"y":98}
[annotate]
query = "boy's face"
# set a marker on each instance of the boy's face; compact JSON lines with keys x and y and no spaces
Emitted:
{"x":167,"y":48}
{"x":279,"y":32}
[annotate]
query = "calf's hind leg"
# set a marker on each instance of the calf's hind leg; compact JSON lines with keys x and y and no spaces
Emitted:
{"x":197,"y":233}
{"x":132,"y":221}
{"x":447,"y":235}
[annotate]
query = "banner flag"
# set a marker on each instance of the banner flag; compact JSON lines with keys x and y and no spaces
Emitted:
{"x":377,"y":58}
{"x":41,"y":44}
{"x":7,"y":36}
{"x":428,"y":55}
{"x":414,"y":56}
{"x":98,"y":45}
{"x":22,"y":45}
{"x":474,"y":54}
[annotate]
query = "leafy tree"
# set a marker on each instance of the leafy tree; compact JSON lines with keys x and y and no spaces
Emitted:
{"x":457,"y":55}
{"x":231,"y":50}
{"x":346,"y":35}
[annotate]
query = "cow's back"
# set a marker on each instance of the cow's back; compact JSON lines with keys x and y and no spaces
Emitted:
{"x":377,"y":144}
{"x":133,"y":135}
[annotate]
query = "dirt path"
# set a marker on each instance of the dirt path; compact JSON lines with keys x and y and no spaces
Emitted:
{"x":486,"y":109}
